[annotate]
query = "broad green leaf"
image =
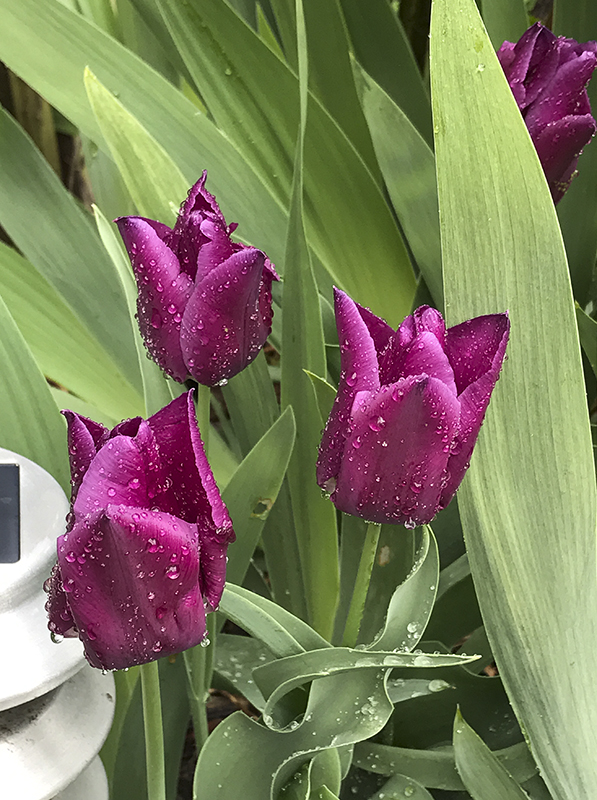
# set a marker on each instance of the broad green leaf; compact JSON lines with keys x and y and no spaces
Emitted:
{"x":484,"y":777}
{"x":382,"y":48}
{"x":222,"y":460}
{"x":435,"y":769}
{"x":30,"y":423}
{"x":154,"y":181}
{"x":253,"y":490}
{"x":578,"y":209}
{"x":253,"y":97}
{"x":125,"y":682}
{"x":58,"y":238}
{"x":236,"y":657}
{"x":505,"y":20}
{"x":408,"y":167}
{"x":330,"y":74}
{"x":304,"y":349}
{"x":63,"y":348}
{"x":411,"y":604}
{"x":399,"y":786}
{"x":528,"y":505}
{"x":50,"y":46}
{"x":156,"y":389}
{"x":267,"y":759}
{"x":65,"y":400}
{"x":279,"y":677}
{"x":277,"y":628}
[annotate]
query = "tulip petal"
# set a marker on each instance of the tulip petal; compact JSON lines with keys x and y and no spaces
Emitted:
{"x":566,"y":94}
{"x":132,"y":584}
{"x":360,"y":372}
{"x":480,"y":366}
{"x":424,"y":356}
{"x":397,"y":451}
{"x":192,"y":489}
{"x":473,"y":347}
{"x":163,"y":293}
{"x":61,"y":622}
{"x":223,"y":329}
{"x":116,"y":475}
{"x":558,"y":146}
{"x":85,"y":437}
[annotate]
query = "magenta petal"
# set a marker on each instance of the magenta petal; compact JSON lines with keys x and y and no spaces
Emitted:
{"x":85,"y":438}
{"x":558,"y":146}
{"x":61,"y":622}
{"x":425,"y":356}
{"x":396,"y":454}
{"x":192,"y":488}
{"x":223,"y":329}
{"x":565,"y":95}
{"x":117,"y":475}
{"x":163,"y":293}
{"x":133,"y":587}
{"x":217,"y":247}
{"x":473,"y":346}
{"x":484,"y":369}
{"x":360,"y":372}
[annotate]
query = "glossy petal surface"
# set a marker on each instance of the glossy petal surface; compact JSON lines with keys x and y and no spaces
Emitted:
{"x":397,"y":452}
{"x":204,"y":302}
{"x":85,"y":437}
{"x":133,"y":587}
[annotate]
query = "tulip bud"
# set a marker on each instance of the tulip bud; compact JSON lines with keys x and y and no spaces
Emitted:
{"x":144,"y":555}
{"x":548,"y":76}
{"x":204,"y":304}
{"x":408,"y":410}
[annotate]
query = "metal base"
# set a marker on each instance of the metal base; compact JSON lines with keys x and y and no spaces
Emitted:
{"x":92,"y":784}
{"x":46,"y":743}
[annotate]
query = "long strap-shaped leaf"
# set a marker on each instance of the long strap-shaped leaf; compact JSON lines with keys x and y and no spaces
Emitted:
{"x":528,"y":506}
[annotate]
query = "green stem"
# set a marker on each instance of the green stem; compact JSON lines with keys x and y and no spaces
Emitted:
{"x":361,"y":586}
{"x":199,"y":665}
{"x":154,"y":731}
{"x":203,"y":414}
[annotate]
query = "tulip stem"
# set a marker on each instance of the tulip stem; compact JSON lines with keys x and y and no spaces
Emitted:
{"x":199,"y":665}
{"x":361,"y":586}
{"x":203,"y":414}
{"x":154,"y":731}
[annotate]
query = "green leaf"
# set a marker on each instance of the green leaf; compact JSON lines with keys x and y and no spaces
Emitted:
{"x":30,"y":423}
{"x":236,"y":657}
{"x":411,"y":604}
{"x":304,"y":349}
{"x":277,"y":628}
{"x":578,"y":209}
{"x":456,"y":610}
{"x":528,"y":504}
{"x":50,"y":46}
{"x":398,"y":787}
{"x":63,"y":348}
{"x":383,"y":50}
{"x":154,"y":181}
{"x":253,"y":97}
{"x":325,"y":394}
{"x":408,"y":167}
{"x":58,"y":238}
{"x":505,"y":20}
{"x":253,"y":490}
{"x":156,"y":389}
{"x":587,"y":330}
{"x":482,"y":773}
{"x":435,"y":769}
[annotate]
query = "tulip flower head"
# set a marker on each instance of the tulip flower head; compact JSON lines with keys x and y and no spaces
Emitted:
{"x":548,"y":76}
{"x":408,"y":410}
{"x":144,"y":555}
{"x":204,"y":305}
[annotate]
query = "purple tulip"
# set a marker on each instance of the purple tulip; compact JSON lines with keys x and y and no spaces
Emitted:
{"x":408,"y":410}
{"x":144,"y":555}
{"x":548,"y":76}
{"x":204,"y":304}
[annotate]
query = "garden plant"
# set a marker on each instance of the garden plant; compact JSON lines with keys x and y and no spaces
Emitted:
{"x":298,"y":305}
